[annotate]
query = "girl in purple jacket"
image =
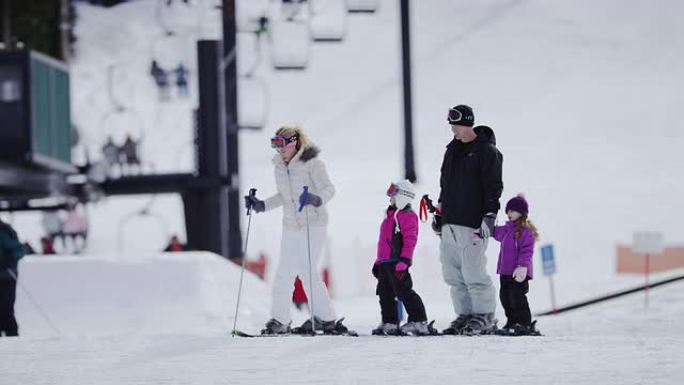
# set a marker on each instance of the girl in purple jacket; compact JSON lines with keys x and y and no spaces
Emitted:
{"x":398,"y":237}
{"x":517,"y":239}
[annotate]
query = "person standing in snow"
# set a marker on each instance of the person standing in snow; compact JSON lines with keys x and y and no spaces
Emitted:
{"x":398,"y":238}
{"x":11,"y":251}
{"x":53,"y":225}
{"x":297,"y":165}
{"x":471,"y":186}
{"x":75,"y":228}
{"x":517,"y":239}
{"x":175,"y":245}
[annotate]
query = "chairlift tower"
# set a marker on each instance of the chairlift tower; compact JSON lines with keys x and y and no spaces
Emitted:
{"x":230,"y":125}
{"x":409,"y":162}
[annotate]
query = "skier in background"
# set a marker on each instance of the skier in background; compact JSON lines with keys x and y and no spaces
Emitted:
{"x":517,"y":239}
{"x":53,"y":226}
{"x":47,"y":246}
{"x":470,"y":185}
{"x":110,"y":152}
{"x":297,"y":165}
{"x":175,"y":245}
{"x":161,"y":78}
{"x":128,"y":154}
{"x":11,"y":251}
{"x":398,"y":238}
{"x":76,"y":228}
{"x":182,"y":79}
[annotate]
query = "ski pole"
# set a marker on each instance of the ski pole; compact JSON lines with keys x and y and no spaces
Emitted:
{"x":252,"y":193}
{"x":308,"y":248}
{"x":34,"y":302}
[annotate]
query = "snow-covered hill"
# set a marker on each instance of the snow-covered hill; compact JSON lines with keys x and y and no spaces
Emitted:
{"x":93,"y":295}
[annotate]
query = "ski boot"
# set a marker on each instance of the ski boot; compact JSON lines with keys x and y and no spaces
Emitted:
{"x":416,"y":328}
{"x":328,"y":327}
{"x":480,"y":323}
{"x":306,"y":328}
{"x":273,"y":326}
{"x":504,"y":330}
{"x":386,"y":329}
{"x":457,"y":325}
{"x":336,"y":328}
{"x":523,"y":330}
{"x":517,"y":329}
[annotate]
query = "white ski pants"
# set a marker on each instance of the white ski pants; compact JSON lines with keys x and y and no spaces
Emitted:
{"x":294,"y":261}
{"x":464,"y":267}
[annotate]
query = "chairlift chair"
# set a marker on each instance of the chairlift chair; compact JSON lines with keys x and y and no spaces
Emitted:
{"x":362,"y":6}
{"x":289,"y":45}
{"x":254,"y":103}
{"x":328,"y":20}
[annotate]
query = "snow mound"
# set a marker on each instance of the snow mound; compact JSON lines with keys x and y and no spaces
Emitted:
{"x":156,"y":293}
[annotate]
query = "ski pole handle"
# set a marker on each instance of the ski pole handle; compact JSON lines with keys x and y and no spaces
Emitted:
{"x":302,"y":198}
{"x":252,"y":194}
{"x":430,"y":206}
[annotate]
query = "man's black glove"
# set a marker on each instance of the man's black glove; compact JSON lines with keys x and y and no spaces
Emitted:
{"x":437,"y":224}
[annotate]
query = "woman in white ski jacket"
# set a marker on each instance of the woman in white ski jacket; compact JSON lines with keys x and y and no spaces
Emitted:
{"x":297,"y":165}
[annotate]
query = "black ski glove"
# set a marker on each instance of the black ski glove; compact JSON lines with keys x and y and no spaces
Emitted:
{"x":437,"y":224}
{"x":258,"y":205}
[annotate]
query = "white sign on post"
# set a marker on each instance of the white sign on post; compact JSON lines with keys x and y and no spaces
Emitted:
{"x":647,"y":242}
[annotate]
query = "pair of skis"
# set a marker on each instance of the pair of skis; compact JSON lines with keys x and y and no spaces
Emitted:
{"x":239,"y":333}
{"x":338,"y":329}
{"x":351,"y":333}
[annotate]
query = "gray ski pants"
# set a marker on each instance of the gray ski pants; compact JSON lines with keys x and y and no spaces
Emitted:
{"x":464,"y":267}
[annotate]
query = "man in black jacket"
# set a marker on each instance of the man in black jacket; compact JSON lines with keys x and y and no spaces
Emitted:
{"x":469,"y":199}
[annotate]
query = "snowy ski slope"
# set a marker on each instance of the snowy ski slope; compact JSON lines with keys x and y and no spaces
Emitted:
{"x":617,"y":343}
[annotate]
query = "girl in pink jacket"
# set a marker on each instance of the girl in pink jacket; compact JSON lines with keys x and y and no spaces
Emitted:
{"x":398,"y":237}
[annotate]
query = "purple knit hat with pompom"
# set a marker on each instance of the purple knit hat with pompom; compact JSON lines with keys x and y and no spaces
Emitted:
{"x":519,"y":204}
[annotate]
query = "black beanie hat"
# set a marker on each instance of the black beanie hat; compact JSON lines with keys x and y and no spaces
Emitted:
{"x":461,"y":115}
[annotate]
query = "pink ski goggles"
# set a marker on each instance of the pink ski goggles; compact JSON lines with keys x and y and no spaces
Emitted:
{"x":392,"y":190}
{"x":283,"y":142}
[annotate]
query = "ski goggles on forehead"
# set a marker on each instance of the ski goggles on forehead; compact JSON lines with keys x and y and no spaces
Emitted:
{"x":392,"y":190}
{"x":454,"y":116}
{"x":282,"y":141}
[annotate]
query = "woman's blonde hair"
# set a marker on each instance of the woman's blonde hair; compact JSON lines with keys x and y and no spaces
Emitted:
{"x":295,"y":130}
{"x":524,"y":221}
